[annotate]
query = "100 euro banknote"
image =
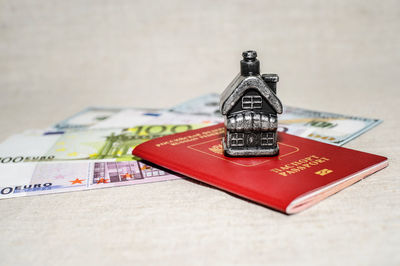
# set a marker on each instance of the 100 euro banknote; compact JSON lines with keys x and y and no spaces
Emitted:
{"x":87,"y":144}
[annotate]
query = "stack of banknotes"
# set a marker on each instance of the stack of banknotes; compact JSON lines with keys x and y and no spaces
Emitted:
{"x":92,"y":149}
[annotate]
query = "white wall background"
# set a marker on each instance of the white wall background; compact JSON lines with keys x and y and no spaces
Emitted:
{"x":57,"y":57}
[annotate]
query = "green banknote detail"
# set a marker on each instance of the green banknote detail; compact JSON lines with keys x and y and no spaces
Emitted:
{"x":115,"y":144}
{"x":119,"y":146}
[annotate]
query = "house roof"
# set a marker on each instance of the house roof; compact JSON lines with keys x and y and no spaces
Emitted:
{"x":238,"y":87}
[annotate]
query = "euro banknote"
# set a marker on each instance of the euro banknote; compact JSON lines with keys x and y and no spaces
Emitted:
{"x":34,"y":163}
{"x":332,"y":128}
{"x":37,"y":178}
{"x":84,"y":144}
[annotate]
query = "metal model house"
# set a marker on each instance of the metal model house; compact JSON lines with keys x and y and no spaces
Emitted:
{"x":250,"y":107}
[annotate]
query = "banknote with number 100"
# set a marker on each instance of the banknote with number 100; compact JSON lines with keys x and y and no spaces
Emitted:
{"x":85,"y":144}
{"x":33,"y":163}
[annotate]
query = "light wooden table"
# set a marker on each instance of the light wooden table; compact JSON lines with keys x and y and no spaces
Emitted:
{"x":57,"y":57}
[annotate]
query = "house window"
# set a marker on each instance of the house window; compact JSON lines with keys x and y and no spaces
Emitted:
{"x":237,"y":139}
{"x":251,"y":102}
{"x":267,"y":139}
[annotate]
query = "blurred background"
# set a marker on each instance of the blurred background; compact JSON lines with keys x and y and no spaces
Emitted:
{"x":57,"y":57}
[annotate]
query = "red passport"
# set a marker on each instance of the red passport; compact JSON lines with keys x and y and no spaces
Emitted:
{"x":304,"y":172}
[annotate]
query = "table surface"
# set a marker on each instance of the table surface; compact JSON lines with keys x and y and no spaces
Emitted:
{"x":58,"y":57}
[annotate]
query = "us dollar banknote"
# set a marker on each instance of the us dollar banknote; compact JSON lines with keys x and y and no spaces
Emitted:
{"x":103,"y":118}
{"x":332,"y":128}
{"x":86,"y":118}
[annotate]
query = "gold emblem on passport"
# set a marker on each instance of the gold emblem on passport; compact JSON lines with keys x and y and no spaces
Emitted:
{"x":217,"y":149}
{"x":323,"y":172}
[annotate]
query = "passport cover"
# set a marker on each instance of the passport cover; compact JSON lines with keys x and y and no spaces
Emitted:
{"x":304,"y":172}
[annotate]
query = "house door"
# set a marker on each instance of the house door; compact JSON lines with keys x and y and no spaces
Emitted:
{"x":252,"y":140}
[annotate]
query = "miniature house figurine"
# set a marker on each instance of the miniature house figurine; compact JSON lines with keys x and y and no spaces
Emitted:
{"x":250,"y":107}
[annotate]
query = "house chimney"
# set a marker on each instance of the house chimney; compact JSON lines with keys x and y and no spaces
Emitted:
{"x":250,"y":64}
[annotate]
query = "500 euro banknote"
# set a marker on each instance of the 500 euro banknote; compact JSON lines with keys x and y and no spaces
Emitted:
{"x":55,"y":177}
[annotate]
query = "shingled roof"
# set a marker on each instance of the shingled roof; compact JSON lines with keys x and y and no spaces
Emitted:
{"x":239,"y":85}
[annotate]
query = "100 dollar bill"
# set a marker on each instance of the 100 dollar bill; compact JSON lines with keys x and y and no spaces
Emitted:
{"x":94,"y":115}
{"x":326,"y":127}
{"x":103,"y":118}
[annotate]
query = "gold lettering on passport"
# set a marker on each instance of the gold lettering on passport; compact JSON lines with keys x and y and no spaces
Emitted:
{"x":299,"y":165}
{"x":190,"y":138}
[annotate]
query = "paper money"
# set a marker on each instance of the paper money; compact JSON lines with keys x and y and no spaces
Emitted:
{"x":44,"y":178}
{"x":91,"y":116}
{"x":129,"y":117}
{"x":326,"y":127}
{"x":92,"y":149}
{"x":105,"y":118}
{"x":86,"y":144}
{"x":323,"y":126}
{"x":207,"y":104}
{"x":33,"y":163}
